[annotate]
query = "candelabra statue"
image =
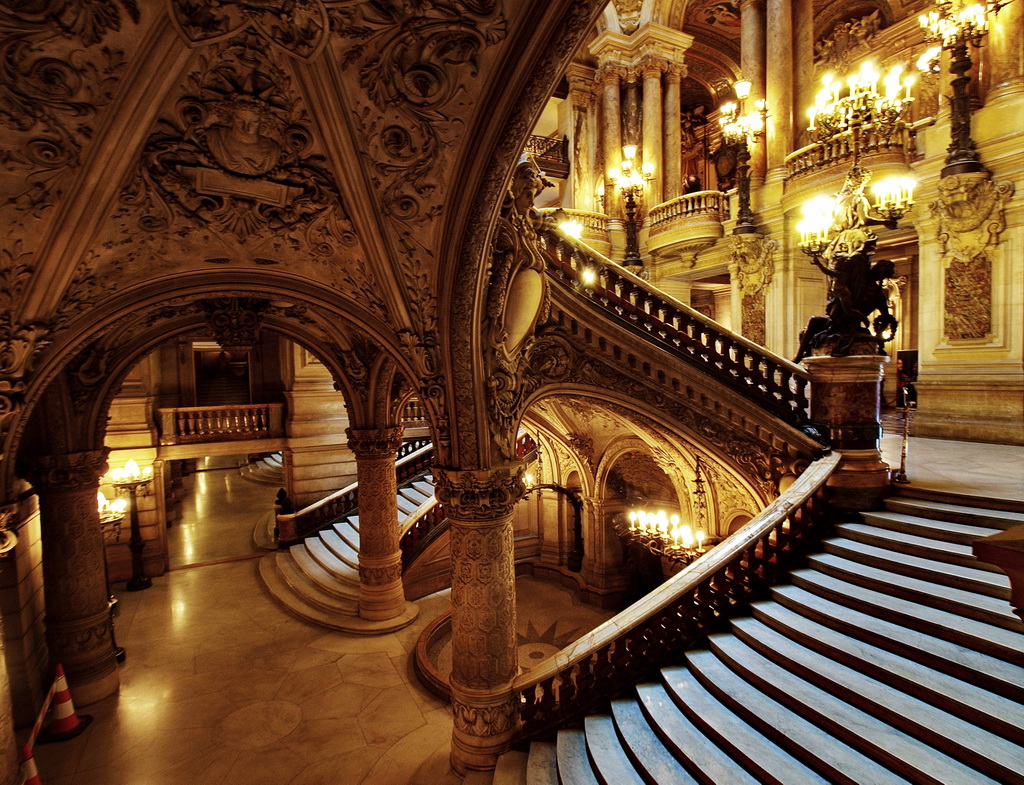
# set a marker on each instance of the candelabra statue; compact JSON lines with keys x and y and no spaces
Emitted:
{"x":952,"y":26}
{"x":630,"y":181}
{"x":131,"y":481}
{"x":837,"y":232}
{"x":741,"y":130}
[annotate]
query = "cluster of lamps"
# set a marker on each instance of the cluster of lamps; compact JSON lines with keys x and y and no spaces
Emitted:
{"x":130,"y":481}
{"x":630,"y":180}
{"x":666,"y":535}
{"x":741,"y":129}
{"x":840,"y":107}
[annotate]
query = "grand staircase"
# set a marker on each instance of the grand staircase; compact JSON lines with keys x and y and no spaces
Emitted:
{"x":317,"y":579}
{"x":893,"y":657}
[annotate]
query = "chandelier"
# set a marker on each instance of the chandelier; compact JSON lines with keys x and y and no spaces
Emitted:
{"x":741,"y":129}
{"x":630,"y":180}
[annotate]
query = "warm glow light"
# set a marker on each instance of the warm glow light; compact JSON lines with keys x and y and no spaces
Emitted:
{"x":119,"y":506}
{"x":572,"y":228}
{"x":629,"y":151}
{"x":742,"y":88}
{"x":588,"y":276}
{"x":101,"y":501}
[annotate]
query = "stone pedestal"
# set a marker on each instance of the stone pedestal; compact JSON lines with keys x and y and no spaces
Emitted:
{"x":381,"y":595}
{"x":484,"y":652}
{"x":74,"y":580}
{"x":845,"y":403}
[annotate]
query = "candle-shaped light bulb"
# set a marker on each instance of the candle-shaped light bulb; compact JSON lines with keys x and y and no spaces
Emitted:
{"x":131,"y":469}
{"x":629,"y":153}
{"x":101,"y":501}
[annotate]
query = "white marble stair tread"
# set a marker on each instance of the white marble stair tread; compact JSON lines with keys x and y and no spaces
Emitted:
{"x":763,"y":757}
{"x":606,"y":753}
{"x":647,"y":750}
{"x":312,"y":592}
{"x":424,"y":487}
{"x":947,"y":531}
{"x":414,"y":494}
{"x":353,"y":521}
{"x":348,"y":533}
{"x":908,"y":756}
{"x":542,"y":764}
{"x":966,"y":664}
{"x":983,"y":708}
{"x":990,"y":639}
{"x":335,"y":577}
{"x":968,"y":579}
{"x":510,"y":769}
{"x":828,"y":755}
{"x":955,"y":513}
{"x":573,"y":762}
{"x":916,"y":545}
{"x":340,"y":547}
{"x":973,"y":745}
{"x":263,"y":532}
{"x":687,"y":742}
{"x":405,"y":506}
{"x":989,"y":610}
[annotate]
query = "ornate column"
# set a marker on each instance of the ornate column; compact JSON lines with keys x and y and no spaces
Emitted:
{"x":779,"y":81}
{"x":804,"y":87}
{"x":752,"y":65}
{"x":74,"y":580}
{"x":1005,"y":52}
{"x":10,"y":768}
{"x":582,"y":165}
{"x":672,"y":169}
{"x":479,"y":505}
{"x":610,"y":77}
{"x":632,"y":112}
{"x":652,"y":68}
{"x":381,"y":596}
{"x":751,"y":271}
{"x":846,"y":404}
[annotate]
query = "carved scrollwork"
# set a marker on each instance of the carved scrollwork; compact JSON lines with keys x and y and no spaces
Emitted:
{"x":236,"y":158}
{"x":86,"y":373}
{"x":970,"y":212}
{"x":235,"y":321}
{"x":298,"y":27}
{"x":484,"y":721}
{"x":847,"y":42}
{"x":71,"y":471}
{"x":753,"y":257}
{"x":483,"y":494}
{"x":374,"y":443}
{"x":20,"y":345}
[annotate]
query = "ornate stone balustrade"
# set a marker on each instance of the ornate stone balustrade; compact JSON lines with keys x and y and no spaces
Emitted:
{"x":655,"y":631}
{"x":714,"y":204}
{"x":414,"y":457}
{"x":197,"y":424}
{"x":772,"y":382}
{"x":687,"y":225}
{"x":838,"y":150}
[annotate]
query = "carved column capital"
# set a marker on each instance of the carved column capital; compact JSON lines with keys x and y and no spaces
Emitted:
{"x":674,"y":72}
{"x":480,"y":494}
{"x":610,"y":73}
{"x":653,"y":66}
{"x":71,"y":471}
{"x":373,"y":443}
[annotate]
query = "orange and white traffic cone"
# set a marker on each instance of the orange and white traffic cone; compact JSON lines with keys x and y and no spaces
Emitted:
{"x":29,"y":772}
{"x":65,"y":723}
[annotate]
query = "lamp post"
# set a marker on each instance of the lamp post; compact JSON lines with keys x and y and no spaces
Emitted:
{"x":131,"y":481}
{"x":111,"y":518}
{"x":952,"y":26}
{"x":631,"y":181}
{"x":741,"y":130}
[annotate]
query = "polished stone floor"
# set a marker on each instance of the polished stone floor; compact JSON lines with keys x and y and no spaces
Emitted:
{"x":222,"y":687}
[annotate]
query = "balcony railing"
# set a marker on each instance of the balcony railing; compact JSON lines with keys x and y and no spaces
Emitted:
{"x":551,"y":154}
{"x":709,"y":204}
{"x":197,"y":424}
{"x":839,"y":150}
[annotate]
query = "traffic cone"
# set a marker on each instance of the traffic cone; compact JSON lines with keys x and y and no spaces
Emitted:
{"x":65,"y":723}
{"x":29,"y":772}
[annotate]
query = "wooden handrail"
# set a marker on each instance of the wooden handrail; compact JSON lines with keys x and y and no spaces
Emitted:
{"x":763,"y":377}
{"x":655,"y":631}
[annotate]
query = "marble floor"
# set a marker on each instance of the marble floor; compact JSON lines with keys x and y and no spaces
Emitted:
{"x":222,"y":687}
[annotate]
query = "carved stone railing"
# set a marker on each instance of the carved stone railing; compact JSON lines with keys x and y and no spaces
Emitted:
{"x":657,"y":630}
{"x":551,"y":154}
{"x":198,"y":424}
{"x":712,"y":204}
{"x":770,"y":381}
{"x":839,"y":150}
{"x":413,"y":415}
{"x":413,"y":458}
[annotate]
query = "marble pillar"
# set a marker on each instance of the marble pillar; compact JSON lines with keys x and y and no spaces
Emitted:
{"x":610,"y":78}
{"x":582,"y":169}
{"x":484,"y":653}
{"x":10,"y":766}
{"x":381,"y":596}
{"x":846,"y":403}
{"x":632,"y":113}
{"x":779,"y":82}
{"x":653,"y":127}
{"x":1005,"y":51}
{"x":752,"y":66}
{"x":672,"y":168}
{"x":74,"y":578}
{"x":804,"y":86}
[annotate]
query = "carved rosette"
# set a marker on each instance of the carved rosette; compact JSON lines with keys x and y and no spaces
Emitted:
{"x":235,"y":321}
{"x":970,"y":212}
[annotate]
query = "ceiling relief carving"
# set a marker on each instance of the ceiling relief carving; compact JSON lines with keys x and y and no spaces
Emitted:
{"x":629,"y":14}
{"x":716,"y":23}
{"x":235,"y":321}
{"x":298,"y":27}
{"x":846,"y":43}
{"x":54,"y":77}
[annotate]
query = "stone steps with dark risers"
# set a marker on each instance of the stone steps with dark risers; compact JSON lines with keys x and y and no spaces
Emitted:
{"x":924,"y":547}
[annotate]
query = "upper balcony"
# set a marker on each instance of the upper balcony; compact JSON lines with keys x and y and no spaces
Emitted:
{"x":687,"y":224}
{"x":875,"y":148}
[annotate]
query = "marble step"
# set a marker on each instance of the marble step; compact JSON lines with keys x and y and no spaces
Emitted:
{"x":344,"y":585}
{"x":954,"y":513}
{"x":311,"y":591}
{"x":424,"y":487}
{"x":648,"y":754}
{"x":992,"y":584}
{"x":959,"y":661}
{"x":768,"y":762}
{"x":688,"y":745}
{"x":542,"y":764}
{"x":608,"y":758}
{"x":989,"y":610}
{"x":340,"y":547}
{"x":573,"y":761}
{"x":826,"y":754}
{"x":910,"y":757}
{"x":510,"y":769}
{"x":923,"y":547}
{"x":406,"y":506}
{"x":997,"y":641}
{"x":945,"y":531}
{"x":989,"y":710}
{"x":946,"y":730}
{"x":346,"y":529}
{"x":321,"y":554}
{"x":414,"y":494}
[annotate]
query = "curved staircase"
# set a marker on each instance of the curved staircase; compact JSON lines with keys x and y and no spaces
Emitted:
{"x":317,"y":579}
{"x":893,"y":657}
